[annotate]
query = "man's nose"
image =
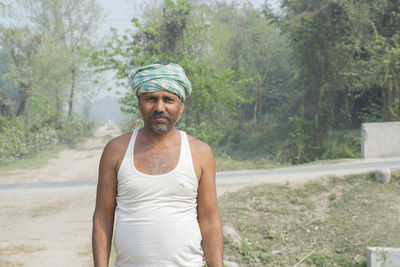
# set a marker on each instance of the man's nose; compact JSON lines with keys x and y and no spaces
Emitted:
{"x":160,"y":106}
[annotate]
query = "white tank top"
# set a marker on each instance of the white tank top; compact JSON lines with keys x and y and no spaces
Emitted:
{"x":156,"y":221}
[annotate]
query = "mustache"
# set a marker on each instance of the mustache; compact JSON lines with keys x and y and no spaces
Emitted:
{"x":155,"y":114}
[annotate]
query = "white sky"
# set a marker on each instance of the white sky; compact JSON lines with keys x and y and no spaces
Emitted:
{"x":120,"y":12}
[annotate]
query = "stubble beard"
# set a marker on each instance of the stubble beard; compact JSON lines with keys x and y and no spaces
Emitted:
{"x":161,"y":127}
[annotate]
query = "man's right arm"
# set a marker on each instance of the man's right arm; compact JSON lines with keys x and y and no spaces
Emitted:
{"x":103,"y":218}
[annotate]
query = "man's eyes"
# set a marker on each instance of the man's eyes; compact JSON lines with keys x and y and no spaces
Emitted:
{"x":166,"y":99}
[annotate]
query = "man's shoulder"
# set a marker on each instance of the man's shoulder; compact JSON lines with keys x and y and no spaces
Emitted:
{"x":198,"y":146}
{"x":203,"y":158}
{"x":120,"y":140}
{"x":118,"y":145}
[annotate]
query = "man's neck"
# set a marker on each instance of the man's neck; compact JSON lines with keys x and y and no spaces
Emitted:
{"x":158,"y":137}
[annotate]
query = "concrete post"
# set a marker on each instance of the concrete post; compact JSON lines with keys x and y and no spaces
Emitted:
{"x":380,"y":139}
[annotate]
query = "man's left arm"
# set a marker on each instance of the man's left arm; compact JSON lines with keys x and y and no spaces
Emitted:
{"x":207,"y":209}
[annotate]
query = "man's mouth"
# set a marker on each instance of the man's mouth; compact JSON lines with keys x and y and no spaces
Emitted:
{"x":159,"y":118}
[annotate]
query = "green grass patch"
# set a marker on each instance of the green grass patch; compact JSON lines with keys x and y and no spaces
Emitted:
{"x":226,"y":163}
{"x":328,"y":222}
{"x":34,"y":161}
{"x":40,"y":158}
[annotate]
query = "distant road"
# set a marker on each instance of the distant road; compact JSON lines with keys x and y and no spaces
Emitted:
{"x":237,"y":179}
{"x":302,"y":173}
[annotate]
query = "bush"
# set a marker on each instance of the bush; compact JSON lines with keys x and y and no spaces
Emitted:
{"x":16,"y":143}
{"x":128,"y":125}
{"x":343,"y":144}
{"x":72,"y":130}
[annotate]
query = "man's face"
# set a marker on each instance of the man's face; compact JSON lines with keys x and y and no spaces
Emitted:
{"x":160,"y":110}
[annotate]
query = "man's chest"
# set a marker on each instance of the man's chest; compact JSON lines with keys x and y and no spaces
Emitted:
{"x":156,"y":160}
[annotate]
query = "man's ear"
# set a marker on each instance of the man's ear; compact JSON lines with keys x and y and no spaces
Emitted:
{"x":181,"y":107}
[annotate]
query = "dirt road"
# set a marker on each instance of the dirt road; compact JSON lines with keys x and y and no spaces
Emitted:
{"x":51,"y":226}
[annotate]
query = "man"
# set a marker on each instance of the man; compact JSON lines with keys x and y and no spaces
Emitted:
{"x":160,"y":182}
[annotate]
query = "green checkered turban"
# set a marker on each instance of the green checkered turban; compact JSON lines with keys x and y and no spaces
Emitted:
{"x":156,"y":77}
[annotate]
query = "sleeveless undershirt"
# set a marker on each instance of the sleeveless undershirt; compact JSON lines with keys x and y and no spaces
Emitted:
{"x":156,"y":215}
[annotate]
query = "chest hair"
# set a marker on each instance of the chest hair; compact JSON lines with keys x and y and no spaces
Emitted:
{"x":156,"y":160}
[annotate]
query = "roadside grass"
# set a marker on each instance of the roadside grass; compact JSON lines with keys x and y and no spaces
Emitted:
{"x":224,"y":162}
{"x":328,"y":222}
{"x":34,"y":161}
{"x":40,"y":158}
{"x":227,"y":163}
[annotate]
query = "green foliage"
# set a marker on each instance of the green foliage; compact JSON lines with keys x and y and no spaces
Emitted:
{"x":16,"y":143}
{"x":173,"y":36}
{"x":271,"y":85}
{"x":299,"y":149}
{"x":6,"y":107}
{"x":344,"y":144}
{"x":129,"y":124}
{"x":371,"y":113}
{"x":68,"y":25}
{"x":242,"y":41}
{"x":42,"y":67}
{"x":227,"y":162}
{"x":72,"y":130}
{"x":345,"y":51}
{"x":287,"y":86}
{"x":320,"y":33}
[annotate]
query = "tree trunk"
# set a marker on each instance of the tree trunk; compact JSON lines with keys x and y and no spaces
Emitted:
{"x":24,"y":95}
{"x":71,"y":96}
{"x":387,"y":116}
{"x":21,"y":107}
{"x":58,"y":111}
{"x":24,"y":104}
{"x":26,"y":113}
{"x":255,"y":111}
{"x":260,"y":105}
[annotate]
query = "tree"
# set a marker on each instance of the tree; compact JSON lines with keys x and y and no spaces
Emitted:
{"x":174,"y":36}
{"x":20,"y":44}
{"x":36,"y":66}
{"x":5,"y":105}
{"x":385,"y":54}
{"x":346,"y":51}
{"x":5,"y":8}
{"x":7,"y":88}
{"x":72,"y":23}
{"x":258,"y":48}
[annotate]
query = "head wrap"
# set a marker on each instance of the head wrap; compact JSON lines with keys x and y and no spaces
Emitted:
{"x":156,"y":77}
